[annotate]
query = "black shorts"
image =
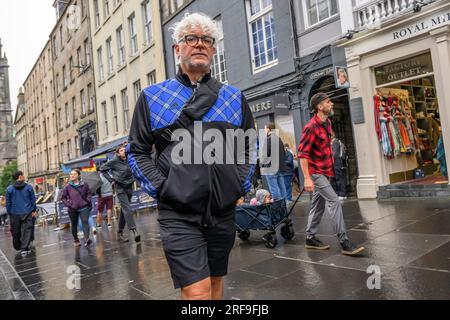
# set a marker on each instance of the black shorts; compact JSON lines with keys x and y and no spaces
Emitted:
{"x":195,"y":253}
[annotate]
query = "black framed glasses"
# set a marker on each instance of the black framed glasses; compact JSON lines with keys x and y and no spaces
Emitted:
{"x":192,"y":40}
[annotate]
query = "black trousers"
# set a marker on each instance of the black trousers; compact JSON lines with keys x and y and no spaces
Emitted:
{"x":126,"y":213}
{"x":84,"y":221}
{"x":338,"y":182}
{"x":22,"y":229}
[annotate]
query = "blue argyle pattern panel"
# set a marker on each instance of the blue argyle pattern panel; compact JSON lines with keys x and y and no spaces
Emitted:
{"x":227,"y":107}
{"x":166,"y":100}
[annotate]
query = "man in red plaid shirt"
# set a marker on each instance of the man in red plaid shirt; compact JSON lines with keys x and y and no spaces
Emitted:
{"x":316,"y":159}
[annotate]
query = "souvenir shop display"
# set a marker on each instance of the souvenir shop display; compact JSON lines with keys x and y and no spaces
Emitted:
{"x":407,"y":120}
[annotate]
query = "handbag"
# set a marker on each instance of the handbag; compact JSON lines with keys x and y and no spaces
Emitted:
{"x":89,"y":204}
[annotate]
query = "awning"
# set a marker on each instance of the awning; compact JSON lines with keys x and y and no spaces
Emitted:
{"x":85,"y":160}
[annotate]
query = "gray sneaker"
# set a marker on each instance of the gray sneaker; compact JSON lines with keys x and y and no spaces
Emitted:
{"x":314,"y":243}
{"x":350,"y":249}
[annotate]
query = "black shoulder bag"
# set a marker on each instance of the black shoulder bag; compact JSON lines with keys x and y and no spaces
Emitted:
{"x":82,"y":197}
{"x":202,"y":99}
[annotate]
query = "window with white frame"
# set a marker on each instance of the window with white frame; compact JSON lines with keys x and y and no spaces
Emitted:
{"x":64,"y":74}
{"x":137,"y":90}
{"x":101,"y":73}
{"x":83,"y":102}
{"x":114,"y":108}
{"x":83,"y":8}
{"x":133,"y":35}
{"x":87,"y":52}
{"x":106,"y":8}
{"x":262,"y":33}
{"x":66,"y":113}
{"x":91,"y":98}
{"x":105,"y":117}
{"x":120,"y":45}
{"x":97,"y":14}
{"x":79,"y":60}
{"x":147,"y":19}
{"x":69,"y":149}
{"x":77,"y":146}
{"x":218,"y":67}
{"x":110,"y":56}
{"x":74,"y":110}
{"x":316,"y":11}
{"x":58,"y":87}
{"x":126,"y":111}
{"x":151,"y":78}
{"x":62,"y":153}
{"x":71,"y":66}
{"x":61,"y":119}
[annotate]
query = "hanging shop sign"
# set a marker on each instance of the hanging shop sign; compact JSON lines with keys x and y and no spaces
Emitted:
{"x":278,"y":104}
{"x":404,"y":69}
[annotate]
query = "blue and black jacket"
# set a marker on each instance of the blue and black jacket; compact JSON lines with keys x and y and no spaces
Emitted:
{"x":188,"y":190}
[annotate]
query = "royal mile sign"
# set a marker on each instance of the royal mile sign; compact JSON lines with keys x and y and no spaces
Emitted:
{"x":423,"y":26}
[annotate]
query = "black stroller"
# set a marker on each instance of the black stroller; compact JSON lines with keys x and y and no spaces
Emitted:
{"x":266,"y":217}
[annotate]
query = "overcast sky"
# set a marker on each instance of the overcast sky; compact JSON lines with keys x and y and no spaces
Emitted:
{"x":24,"y":29}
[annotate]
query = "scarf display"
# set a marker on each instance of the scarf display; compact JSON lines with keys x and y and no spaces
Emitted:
{"x":395,"y":127}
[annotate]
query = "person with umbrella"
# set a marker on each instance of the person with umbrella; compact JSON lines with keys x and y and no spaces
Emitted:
{"x":76,"y":196}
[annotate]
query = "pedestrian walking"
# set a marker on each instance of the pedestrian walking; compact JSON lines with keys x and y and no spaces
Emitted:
{"x":316,"y":160}
{"x":77,"y":197}
{"x":21,"y":208}
{"x":118,"y":173}
{"x":338,"y":182}
{"x":105,"y":201}
{"x":289,"y":173}
{"x":196,"y":200}
{"x":272,"y":172}
{"x":3,"y":211}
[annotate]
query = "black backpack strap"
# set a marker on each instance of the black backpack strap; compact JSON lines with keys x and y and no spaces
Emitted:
{"x":202,"y":99}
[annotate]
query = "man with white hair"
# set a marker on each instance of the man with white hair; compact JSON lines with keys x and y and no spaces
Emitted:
{"x":196,"y":201}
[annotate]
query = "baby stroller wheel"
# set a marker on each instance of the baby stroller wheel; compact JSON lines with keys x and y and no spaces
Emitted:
{"x":244,"y":234}
{"x":270,"y":241}
{"x":287,"y":232}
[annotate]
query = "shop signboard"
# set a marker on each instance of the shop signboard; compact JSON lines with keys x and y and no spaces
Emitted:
{"x":404,"y":69}
{"x":278,"y":104}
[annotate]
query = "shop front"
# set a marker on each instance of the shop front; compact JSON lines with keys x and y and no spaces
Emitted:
{"x":321,"y":75}
{"x":399,"y":89}
{"x":276,"y":109}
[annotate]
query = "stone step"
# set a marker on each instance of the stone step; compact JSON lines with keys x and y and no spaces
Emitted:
{"x":413,"y":190}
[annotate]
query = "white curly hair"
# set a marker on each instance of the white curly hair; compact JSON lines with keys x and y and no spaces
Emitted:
{"x":191,"y":20}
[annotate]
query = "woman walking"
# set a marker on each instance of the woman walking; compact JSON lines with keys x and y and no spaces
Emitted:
{"x":77,"y":198}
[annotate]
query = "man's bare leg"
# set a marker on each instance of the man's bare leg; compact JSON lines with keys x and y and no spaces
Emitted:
{"x":109,"y":212}
{"x":200,"y":290}
{"x":217,"y":288}
{"x":99,"y":218}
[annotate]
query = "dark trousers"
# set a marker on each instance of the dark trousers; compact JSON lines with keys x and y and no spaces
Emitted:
{"x":84,"y":215}
{"x":338,"y":182}
{"x":126,"y":213}
{"x":22,"y":226}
